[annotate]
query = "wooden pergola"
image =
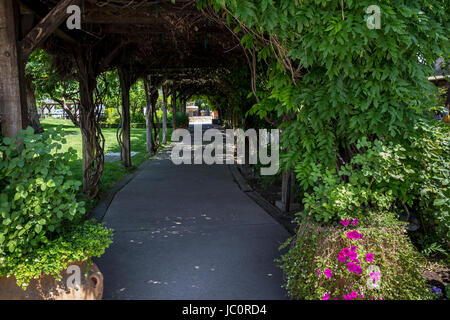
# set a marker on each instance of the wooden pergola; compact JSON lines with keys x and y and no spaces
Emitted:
{"x":162,"y":41}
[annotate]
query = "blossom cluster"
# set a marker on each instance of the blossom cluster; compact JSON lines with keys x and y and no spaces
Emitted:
{"x":350,"y":257}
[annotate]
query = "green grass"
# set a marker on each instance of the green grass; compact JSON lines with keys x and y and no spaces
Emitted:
{"x":113,"y":171}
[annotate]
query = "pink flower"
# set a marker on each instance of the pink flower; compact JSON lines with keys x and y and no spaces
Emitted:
{"x":326,"y":296}
{"x":375,"y":276}
{"x":354,"y":267}
{"x":328,"y":273}
{"x":354,"y":294}
{"x":350,"y":266}
{"x":355,"y":222}
{"x":353,"y":248}
{"x":347,"y":297}
{"x":346,"y":251}
{"x":345,"y":222}
{"x":341,"y":257}
{"x":354,"y":235}
{"x":369,"y":257}
{"x":353,"y":256}
{"x":318,"y":272}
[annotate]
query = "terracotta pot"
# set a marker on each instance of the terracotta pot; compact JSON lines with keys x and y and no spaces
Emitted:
{"x":48,"y":288}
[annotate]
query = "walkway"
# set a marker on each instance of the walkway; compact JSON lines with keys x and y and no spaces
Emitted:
{"x":189,"y":232}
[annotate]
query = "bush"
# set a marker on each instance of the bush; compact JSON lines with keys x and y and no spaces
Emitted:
{"x":182,"y":120}
{"x":313,"y":269}
{"x":411,"y":178}
{"x":38,"y":202}
{"x":113,"y":120}
{"x":139,"y":118}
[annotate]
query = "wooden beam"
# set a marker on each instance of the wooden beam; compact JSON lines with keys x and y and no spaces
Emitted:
{"x":58,"y":32}
{"x":10,"y":93}
{"x":46,"y":27}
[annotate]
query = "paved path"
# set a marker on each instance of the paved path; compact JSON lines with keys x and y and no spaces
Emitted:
{"x":189,"y":232}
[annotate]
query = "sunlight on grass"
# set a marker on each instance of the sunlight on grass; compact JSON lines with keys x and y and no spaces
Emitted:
{"x":113,"y":171}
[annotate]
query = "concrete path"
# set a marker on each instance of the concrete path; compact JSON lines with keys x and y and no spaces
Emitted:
{"x":189,"y":232}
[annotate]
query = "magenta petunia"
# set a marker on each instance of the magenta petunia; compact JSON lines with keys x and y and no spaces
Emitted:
{"x":357,"y":269}
{"x":346,"y":251}
{"x":354,"y":294}
{"x":350,"y":266}
{"x":341,"y":258}
{"x":369,"y":257}
{"x":345,"y":222}
{"x":353,"y":248}
{"x":355,"y":222}
{"x":328,"y":273}
{"x":353,"y":256}
{"x":347,"y":297}
{"x":375,"y":276}
{"x":326,"y":296}
{"x":354,"y":235}
{"x":318,"y":272}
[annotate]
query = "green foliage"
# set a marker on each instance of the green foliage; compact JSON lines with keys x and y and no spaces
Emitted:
{"x":182,"y":120}
{"x":139,"y":118}
{"x":37,"y":195}
{"x":78,"y":243}
{"x":38,"y":204}
{"x":410,"y":178}
{"x":353,"y":102}
{"x":46,"y":80}
{"x":316,"y":247}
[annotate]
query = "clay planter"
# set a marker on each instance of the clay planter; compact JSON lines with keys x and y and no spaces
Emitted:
{"x":48,"y":288}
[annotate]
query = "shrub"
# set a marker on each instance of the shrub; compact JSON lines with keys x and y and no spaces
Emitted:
{"x":113,"y":120}
{"x":408,"y":178}
{"x":37,"y":195}
{"x":78,"y":243}
{"x":39,"y":205}
{"x":316,"y":266}
{"x":182,"y":120}
{"x":139,"y":118}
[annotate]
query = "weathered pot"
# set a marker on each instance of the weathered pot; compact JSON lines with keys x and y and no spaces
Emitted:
{"x":48,"y":288}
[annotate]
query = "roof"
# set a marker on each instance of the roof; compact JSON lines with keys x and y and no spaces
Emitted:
{"x":149,"y":37}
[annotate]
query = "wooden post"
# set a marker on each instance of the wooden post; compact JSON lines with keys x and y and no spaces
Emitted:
{"x":287,"y":191}
{"x":10,"y":94}
{"x":148,"y":113}
{"x":125,"y":148}
{"x":164,"y":124}
{"x":174,"y":110}
{"x":93,"y":142}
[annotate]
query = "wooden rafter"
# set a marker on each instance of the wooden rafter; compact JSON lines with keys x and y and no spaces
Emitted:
{"x":45,"y":27}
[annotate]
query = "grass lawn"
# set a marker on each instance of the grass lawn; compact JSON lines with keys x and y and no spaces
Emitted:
{"x":113,"y":171}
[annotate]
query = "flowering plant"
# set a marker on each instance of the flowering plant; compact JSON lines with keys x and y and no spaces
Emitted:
{"x":369,"y":258}
{"x":348,"y":259}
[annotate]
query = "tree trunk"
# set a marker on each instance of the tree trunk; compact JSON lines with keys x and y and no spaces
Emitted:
{"x":10,"y":93}
{"x":125,"y":147}
{"x":164,"y":124}
{"x":33,"y":117}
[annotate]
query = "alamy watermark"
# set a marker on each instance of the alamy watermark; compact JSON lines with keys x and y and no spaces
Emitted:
{"x":374,"y":20}
{"x":74,"y":20}
{"x":213,"y":153}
